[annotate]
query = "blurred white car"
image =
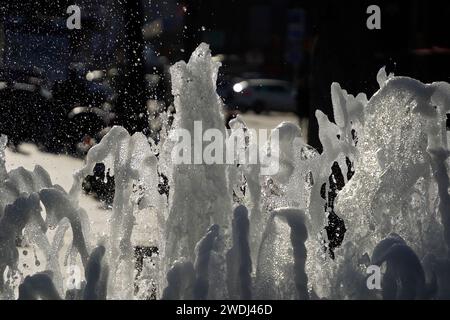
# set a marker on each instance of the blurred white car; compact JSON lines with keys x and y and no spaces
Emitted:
{"x":264,"y":95}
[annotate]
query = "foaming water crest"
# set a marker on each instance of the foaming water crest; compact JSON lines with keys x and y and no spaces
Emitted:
{"x":376,"y":195}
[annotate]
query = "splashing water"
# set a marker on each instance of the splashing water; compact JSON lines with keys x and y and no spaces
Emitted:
{"x":376,"y":195}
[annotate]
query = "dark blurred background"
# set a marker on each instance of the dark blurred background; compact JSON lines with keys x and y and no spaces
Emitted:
{"x":64,"y":88}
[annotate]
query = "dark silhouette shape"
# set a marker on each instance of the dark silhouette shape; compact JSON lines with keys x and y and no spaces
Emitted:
{"x":38,"y":287}
{"x":404,"y":278}
{"x":299,"y":234}
{"x":95,"y":284}
{"x":203,"y":249}
{"x":180,"y":280}
{"x":239,"y":263}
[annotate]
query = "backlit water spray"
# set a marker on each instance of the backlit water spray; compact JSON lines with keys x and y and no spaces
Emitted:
{"x":376,"y":195}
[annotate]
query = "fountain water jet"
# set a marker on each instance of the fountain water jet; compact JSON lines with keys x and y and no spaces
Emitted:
{"x":383,"y":169}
